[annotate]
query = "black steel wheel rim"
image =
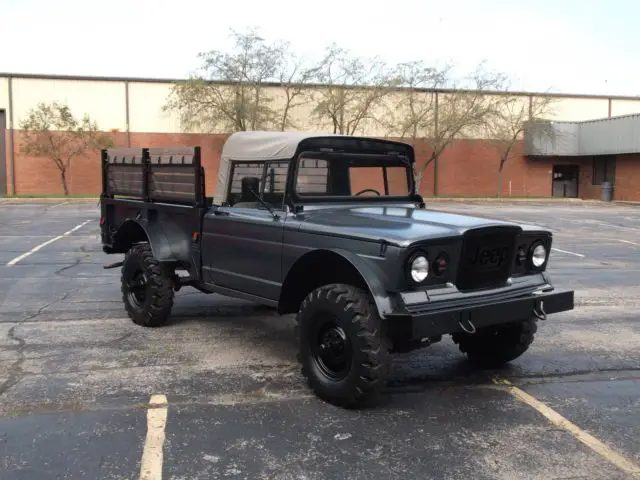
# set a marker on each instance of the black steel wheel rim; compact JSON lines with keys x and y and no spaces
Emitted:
{"x":137,"y":286}
{"x":331,"y":349}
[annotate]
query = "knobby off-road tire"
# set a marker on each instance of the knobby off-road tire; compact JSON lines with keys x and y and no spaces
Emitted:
{"x":492,"y":347}
{"x":343,"y":351}
{"x":147,"y":292}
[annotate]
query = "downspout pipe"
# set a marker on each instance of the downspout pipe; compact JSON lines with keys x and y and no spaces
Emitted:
{"x":12,"y":150}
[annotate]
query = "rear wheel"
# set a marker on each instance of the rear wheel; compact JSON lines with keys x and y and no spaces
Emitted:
{"x":345,"y":357}
{"x":147,"y":292}
{"x":492,"y":347}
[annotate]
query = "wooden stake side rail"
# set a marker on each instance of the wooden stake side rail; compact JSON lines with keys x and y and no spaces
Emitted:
{"x":172,"y":175}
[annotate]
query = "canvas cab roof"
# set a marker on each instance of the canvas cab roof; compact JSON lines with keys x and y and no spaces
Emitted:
{"x":256,"y":145}
{"x":250,"y":146}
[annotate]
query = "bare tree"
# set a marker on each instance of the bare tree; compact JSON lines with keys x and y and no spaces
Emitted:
{"x":507,"y":123}
{"x":438,"y":109}
{"x":413,"y":115}
{"x":294,"y":78}
{"x":462,"y":111}
{"x":231,"y":92}
{"x":51,"y":131}
{"x":351,"y":89}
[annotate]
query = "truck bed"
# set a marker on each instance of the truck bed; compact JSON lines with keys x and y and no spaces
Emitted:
{"x":156,"y":195}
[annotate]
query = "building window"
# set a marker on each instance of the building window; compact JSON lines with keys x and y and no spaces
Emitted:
{"x":604,"y":170}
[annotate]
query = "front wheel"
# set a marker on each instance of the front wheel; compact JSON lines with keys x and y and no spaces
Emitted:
{"x":344,"y":354}
{"x":147,"y":292}
{"x":493,"y":346}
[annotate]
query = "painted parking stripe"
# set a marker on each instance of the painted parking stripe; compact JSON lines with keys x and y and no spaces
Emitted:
{"x":152,"y":455}
{"x":44,"y":244}
{"x":559,"y":421}
{"x":567,"y":252}
{"x":629,"y":242}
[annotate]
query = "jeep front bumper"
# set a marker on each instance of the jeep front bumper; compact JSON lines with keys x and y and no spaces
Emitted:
{"x":470,"y":314}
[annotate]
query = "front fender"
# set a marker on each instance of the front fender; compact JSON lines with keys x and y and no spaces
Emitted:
{"x":373,"y":277}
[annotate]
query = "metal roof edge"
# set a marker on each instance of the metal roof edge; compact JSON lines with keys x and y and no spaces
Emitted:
{"x":97,"y":78}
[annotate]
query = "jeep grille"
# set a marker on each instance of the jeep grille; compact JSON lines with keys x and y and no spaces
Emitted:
{"x":486,"y":258}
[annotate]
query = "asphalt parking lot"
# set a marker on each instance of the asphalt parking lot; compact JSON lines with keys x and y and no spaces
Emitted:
{"x":77,"y":377}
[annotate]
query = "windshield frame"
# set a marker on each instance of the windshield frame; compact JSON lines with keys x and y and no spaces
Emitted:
{"x":393,"y":159}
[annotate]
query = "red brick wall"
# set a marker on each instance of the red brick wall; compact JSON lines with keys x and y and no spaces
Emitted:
{"x":627,"y":184}
{"x":466,"y":168}
{"x":39,"y":176}
{"x":585,"y":177}
{"x":470,"y":168}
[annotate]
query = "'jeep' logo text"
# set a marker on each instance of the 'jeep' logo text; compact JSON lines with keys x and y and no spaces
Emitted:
{"x":489,"y":256}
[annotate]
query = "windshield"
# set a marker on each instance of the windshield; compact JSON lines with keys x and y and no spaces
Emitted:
{"x":338,"y":175}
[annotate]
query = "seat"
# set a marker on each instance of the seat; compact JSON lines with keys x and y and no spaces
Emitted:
{"x":248,"y":199}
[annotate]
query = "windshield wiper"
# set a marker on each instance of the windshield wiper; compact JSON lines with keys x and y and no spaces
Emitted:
{"x":264,"y":204}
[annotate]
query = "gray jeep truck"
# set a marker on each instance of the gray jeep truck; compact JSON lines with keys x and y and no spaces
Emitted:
{"x":329,"y":228}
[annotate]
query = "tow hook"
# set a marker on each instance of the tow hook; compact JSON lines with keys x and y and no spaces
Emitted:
{"x":471,"y":329}
{"x":538,"y":311}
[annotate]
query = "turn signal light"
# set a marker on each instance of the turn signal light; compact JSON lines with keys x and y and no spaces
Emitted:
{"x":441,"y":263}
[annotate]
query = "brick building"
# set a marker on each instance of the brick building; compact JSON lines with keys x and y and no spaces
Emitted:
{"x":583,"y":155}
{"x":597,"y":139}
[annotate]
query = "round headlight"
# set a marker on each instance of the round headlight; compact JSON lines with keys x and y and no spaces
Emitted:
{"x":538,"y":256}
{"x":419,"y":268}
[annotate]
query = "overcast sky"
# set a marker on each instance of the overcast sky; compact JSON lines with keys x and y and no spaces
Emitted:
{"x":569,"y":46}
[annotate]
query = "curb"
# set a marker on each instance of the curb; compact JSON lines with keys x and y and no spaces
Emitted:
{"x":59,"y":201}
{"x":488,"y":200}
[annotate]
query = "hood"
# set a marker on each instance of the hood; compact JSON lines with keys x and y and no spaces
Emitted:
{"x":398,"y":225}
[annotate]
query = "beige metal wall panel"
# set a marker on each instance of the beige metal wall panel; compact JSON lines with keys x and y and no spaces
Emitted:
{"x":146,"y":101}
{"x":624,"y":107}
{"x":301,"y":116}
{"x":393,"y":118}
{"x":4,"y":96}
{"x":104,"y":101}
{"x":573,"y":109}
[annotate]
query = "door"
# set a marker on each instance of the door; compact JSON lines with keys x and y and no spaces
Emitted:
{"x":242,"y":243}
{"x":242,"y":250}
{"x":565,"y":181}
{"x":3,"y":154}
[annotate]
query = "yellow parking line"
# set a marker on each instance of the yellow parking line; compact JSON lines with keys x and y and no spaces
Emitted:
{"x":558,"y":420}
{"x":152,"y":455}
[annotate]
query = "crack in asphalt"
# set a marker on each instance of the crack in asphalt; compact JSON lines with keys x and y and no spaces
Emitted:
{"x":78,"y":344}
{"x":15,"y":372}
{"x":259,"y":395}
{"x":68,"y":267}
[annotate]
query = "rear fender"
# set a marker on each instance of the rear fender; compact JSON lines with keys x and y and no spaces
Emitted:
{"x":169,"y":243}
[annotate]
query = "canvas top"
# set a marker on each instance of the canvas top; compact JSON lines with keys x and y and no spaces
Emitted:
{"x":266,"y":145}
{"x":259,"y":146}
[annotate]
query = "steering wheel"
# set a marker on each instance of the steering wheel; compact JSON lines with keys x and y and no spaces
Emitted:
{"x":368,"y":190}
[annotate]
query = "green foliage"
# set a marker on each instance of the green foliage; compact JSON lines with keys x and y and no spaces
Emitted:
{"x":51,"y":131}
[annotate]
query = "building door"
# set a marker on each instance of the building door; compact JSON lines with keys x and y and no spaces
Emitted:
{"x":3,"y":155}
{"x":565,"y":181}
